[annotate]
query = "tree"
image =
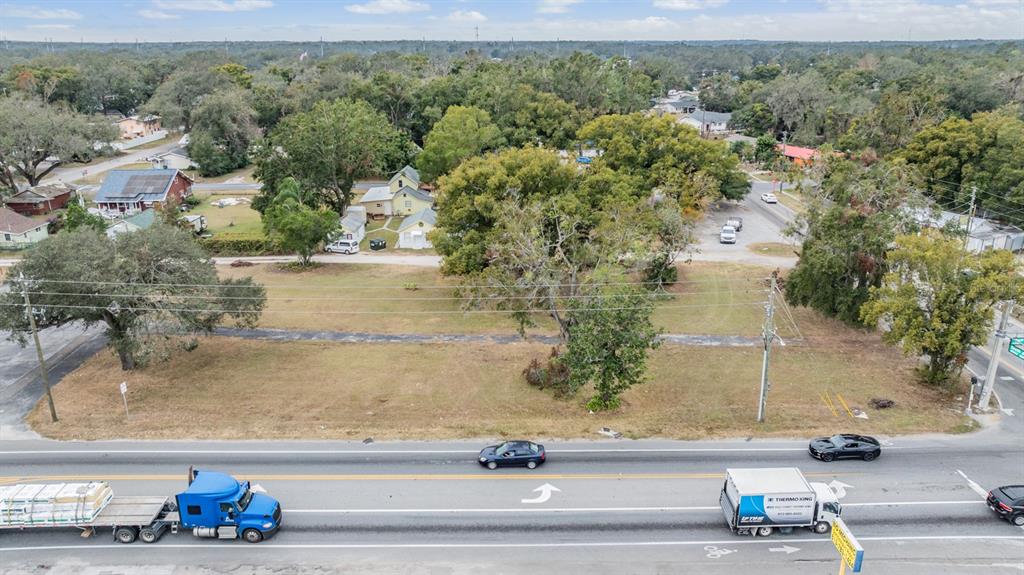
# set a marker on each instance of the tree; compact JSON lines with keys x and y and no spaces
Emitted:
{"x":176,"y":98}
{"x":846,"y":232}
{"x":938,"y":300}
{"x":152,"y":288}
{"x":76,"y":217}
{"x":766,"y":150}
{"x":296,"y":226}
{"x":237,"y":73}
{"x":665,"y":154}
{"x":36,"y":138}
{"x":608,"y":343}
{"x":327,"y":149}
{"x":223,"y":128}
{"x":470,"y":197}
{"x":461,"y":133}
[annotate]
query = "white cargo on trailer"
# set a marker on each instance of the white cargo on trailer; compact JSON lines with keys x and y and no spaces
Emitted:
{"x":52,"y":504}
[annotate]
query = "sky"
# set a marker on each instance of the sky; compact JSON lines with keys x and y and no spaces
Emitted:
{"x":501,"y":20}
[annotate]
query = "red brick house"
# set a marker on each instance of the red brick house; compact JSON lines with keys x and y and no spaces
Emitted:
{"x":137,"y":190}
{"x":41,"y":200}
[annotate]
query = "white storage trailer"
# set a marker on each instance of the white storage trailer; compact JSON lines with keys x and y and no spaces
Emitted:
{"x":758,"y":501}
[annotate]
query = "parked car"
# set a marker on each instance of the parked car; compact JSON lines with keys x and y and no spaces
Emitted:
{"x":845,"y":445}
{"x":1008,"y":502}
{"x":512,"y":453}
{"x":769,"y":198}
{"x":342,"y":247}
{"x":736,"y":222}
{"x":727,"y":235}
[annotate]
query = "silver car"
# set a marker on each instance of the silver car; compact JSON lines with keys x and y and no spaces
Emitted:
{"x":727,"y":235}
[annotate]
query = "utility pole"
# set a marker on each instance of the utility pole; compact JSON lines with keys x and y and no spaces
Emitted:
{"x":476,"y":33}
{"x":970,"y":214}
{"x":39,"y":349}
{"x":767,"y":336}
{"x":321,"y":47}
{"x":998,"y":343}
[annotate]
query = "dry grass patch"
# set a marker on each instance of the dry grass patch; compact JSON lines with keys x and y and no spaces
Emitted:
{"x":773,"y":249}
{"x":239,"y":389}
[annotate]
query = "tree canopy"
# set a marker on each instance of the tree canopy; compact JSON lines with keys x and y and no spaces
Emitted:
{"x":460,"y":134}
{"x":152,"y":289}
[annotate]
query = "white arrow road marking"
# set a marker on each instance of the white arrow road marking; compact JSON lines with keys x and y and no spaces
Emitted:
{"x":784,"y":549}
{"x":839,"y":488}
{"x":977,"y":488}
{"x":545,"y":493}
{"x":257,"y":488}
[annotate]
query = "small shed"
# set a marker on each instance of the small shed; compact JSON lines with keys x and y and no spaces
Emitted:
{"x":412,"y":234}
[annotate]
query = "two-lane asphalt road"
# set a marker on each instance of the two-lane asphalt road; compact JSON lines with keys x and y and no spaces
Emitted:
{"x":619,"y":507}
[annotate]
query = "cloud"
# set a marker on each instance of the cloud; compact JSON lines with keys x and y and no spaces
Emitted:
{"x":388,"y":7}
{"x":687,"y":4}
{"x":650,"y":23}
{"x":50,"y":26}
{"x":213,"y":5}
{"x":34,"y":13}
{"x":157,"y":15}
{"x":466,"y":16}
{"x":556,"y":6}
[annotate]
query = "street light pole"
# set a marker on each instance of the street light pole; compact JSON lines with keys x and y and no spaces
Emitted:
{"x":45,"y":373}
{"x":997,"y":350}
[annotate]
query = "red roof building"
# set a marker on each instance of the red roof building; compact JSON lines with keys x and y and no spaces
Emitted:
{"x":797,"y":155}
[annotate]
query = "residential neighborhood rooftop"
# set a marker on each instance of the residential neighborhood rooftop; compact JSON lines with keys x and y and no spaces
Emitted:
{"x":15,"y":223}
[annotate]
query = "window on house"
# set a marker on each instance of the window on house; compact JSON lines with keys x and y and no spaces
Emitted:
{"x":408,"y":203}
{"x":7,"y":237}
{"x":378,"y":205}
{"x":401,"y":184}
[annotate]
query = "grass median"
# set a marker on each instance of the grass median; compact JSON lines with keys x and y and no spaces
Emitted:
{"x":240,"y":389}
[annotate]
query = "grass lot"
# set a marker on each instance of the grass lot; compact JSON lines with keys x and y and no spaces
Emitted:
{"x":409,"y":391}
{"x":245,"y":174}
{"x":773,"y":249}
{"x":240,"y":219}
{"x":791,"y":201}
{"x":718,"y":299}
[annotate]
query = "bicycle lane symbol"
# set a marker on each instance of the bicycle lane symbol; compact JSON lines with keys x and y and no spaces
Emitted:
{"x":717,"y":552}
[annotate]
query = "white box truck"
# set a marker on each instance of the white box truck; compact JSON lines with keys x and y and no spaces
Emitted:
{"x":758,"y":501}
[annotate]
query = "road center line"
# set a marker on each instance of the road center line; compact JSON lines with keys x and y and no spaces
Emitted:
{"x":401,"y":451}
{"x":574,"y":544}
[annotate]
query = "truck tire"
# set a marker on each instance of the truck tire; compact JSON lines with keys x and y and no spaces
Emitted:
{"x":822,"y":527}
{"x":148,"y":535}
{"x":252,"y":535}
{"x":764,"y":531}
{"x":126,"y":534}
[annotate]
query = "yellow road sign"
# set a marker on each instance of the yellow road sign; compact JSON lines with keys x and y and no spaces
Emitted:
{"x":851,"y":551}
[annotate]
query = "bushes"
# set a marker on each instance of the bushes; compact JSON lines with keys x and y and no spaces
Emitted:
{"x":239,"y":245}
{"x":553,"y":376}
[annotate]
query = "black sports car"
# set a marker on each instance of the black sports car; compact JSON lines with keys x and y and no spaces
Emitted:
{"x":512,"y":453}
{"x":1008,"y":502}
{"x":845,"y":445}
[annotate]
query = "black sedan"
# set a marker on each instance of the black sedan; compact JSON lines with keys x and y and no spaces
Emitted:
{"x":1008,"y":502}
{"x":512,"y":453}
{"x":845,"y":445}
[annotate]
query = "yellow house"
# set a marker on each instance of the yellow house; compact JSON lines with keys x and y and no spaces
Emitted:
{"x":401,"y":197}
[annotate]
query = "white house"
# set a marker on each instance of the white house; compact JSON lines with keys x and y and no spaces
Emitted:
{"x":18,"y":231}
{"x":353,"y":224}
{"x":982,"y":234}
{"x":707,"y":122}
{"x":412,"y":234}
{"x":176,"y":159}
{"x":401,"y":197}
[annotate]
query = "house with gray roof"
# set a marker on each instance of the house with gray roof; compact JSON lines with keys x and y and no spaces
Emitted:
{"x":401,"y":197}
{"x":140,"y":221}
{"x":707,"y":122}
{"x":412,"y":233}
{"x":130,"y":191}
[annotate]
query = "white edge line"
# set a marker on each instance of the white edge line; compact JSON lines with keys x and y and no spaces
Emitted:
{"x":593,"y":509}
{"x":576,"y":544}
{"x":974,"y":486}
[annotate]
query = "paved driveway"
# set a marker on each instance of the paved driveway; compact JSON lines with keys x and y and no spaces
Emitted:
{"x":762,"y":223}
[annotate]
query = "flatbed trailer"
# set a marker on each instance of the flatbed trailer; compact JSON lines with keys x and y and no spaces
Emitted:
{"x":215,"y":505}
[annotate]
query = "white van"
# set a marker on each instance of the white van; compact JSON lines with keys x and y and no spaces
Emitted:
{"x":342,"y":247}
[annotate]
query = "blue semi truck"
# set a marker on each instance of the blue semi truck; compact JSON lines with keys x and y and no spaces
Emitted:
{"x":214,"y":505}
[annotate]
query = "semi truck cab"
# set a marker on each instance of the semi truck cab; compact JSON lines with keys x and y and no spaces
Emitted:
{"x":217,"y":505}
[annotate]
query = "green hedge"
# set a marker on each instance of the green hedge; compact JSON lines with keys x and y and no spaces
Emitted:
{"x":239,"y":245}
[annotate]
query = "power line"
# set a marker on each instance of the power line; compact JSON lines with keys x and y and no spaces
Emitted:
{"x":391,"y":312}
{"x":346,"y":299}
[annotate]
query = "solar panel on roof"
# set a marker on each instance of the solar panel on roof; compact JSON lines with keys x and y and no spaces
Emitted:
{"x":138,"y":185}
